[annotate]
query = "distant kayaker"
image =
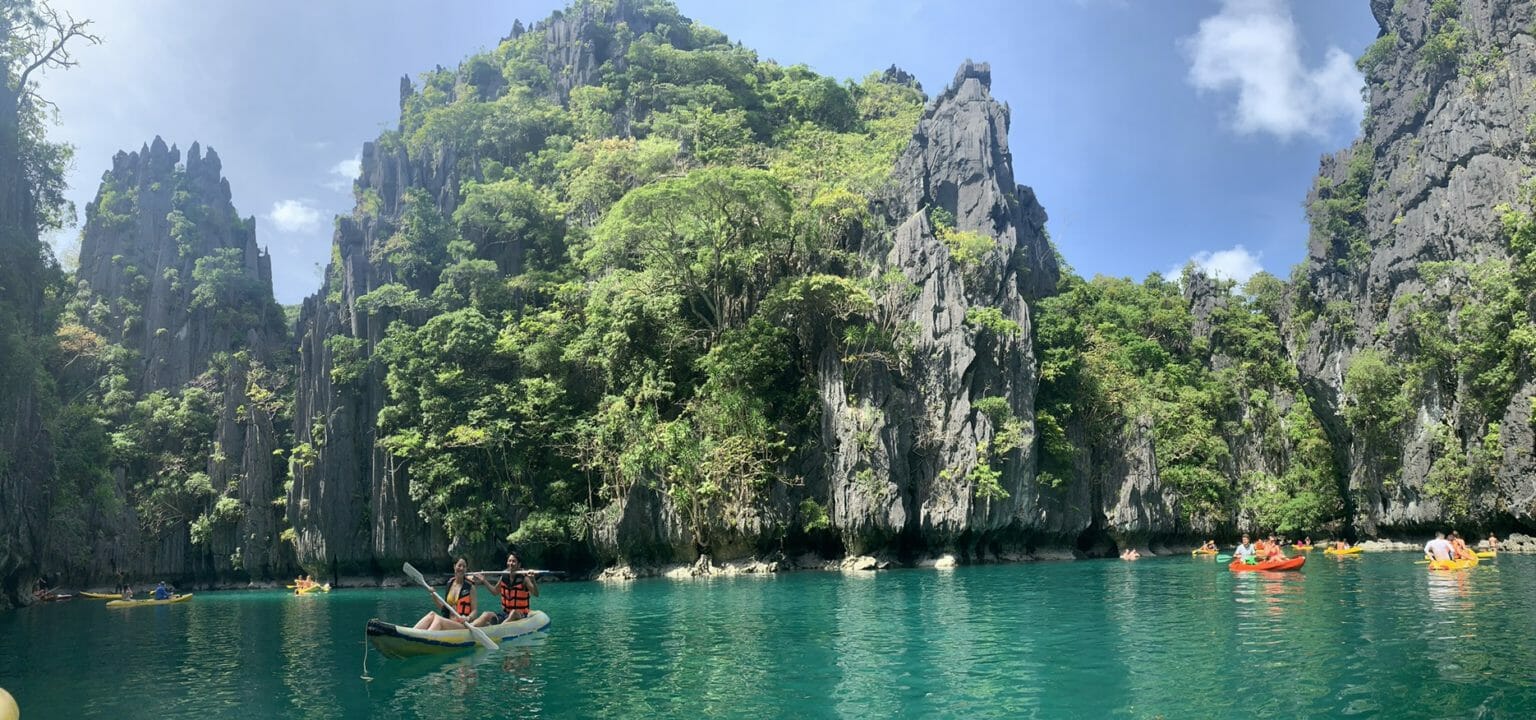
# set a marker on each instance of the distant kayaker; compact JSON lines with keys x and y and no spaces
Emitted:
{"x":460,"y":594}
{"x":1493,"y":542}
{"x":162,"y":592}
{"x":1306,"y":541}
{"x":1130,"y":554}
{"x":515,"y":589}
{"x":1439,"y":548}
{"x":1209,"y":545}
{"x":1244,"y":549}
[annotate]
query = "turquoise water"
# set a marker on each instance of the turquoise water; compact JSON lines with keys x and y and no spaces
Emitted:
{"x":1371,"y":636}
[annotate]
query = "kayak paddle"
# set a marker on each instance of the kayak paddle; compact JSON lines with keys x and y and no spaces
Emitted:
{"x":480,"y":636}
{"x":535,"y":573}
{"x":1223,"y":558}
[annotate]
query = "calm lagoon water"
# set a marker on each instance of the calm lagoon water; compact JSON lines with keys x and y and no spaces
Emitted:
{"x":1369,"y":636}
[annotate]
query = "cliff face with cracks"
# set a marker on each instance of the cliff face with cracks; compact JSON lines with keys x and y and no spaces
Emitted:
{"x":350,"y":506}
{"x":904,"y":443}
{"x":172,"y":277}
{"x":26,"y":452}
{"x":936,"y":448}
{"x":1410,"y":303}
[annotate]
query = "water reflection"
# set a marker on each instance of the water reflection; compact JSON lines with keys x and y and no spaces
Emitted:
{"x":869,"y":642}
{"x":1379,"y":637}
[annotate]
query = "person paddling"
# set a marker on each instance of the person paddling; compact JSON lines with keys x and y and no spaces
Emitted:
{"x":1493,"y":542}
{"x":1439,"y":548}
{"x":1245,"y":550}
{"x":162,"y":592}
{"x":515,"y":589}
{"x":460,"y":596}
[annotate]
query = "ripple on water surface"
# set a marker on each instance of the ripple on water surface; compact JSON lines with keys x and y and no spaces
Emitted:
{"x":1368,"y":636}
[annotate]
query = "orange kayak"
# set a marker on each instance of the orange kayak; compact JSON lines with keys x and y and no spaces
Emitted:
{"x":1294,"y":563}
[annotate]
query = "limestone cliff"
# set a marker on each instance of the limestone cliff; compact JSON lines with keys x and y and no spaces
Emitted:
{"x":25,"y":445}
{"x":350,"y":507}
{"x":172,"y":278}
{"x":908,"y":451}
{"x":1410,"y":304}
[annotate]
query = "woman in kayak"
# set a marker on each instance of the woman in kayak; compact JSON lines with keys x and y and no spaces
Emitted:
{"x":1209,"y":545}
{"x":460,"y":596}
{"x":1460,"y":547}
{"x":1493,"y":542}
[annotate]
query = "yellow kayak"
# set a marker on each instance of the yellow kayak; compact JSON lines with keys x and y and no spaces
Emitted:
{"x":313,"y":589}
{"x":103,"y":596}
{"x":137,"y":603}
{"x":1302,"y":548}
{"x":1487,"y":554}
{"x":1348,"y":551}
{"x":1452,"y":564}
{"x":1202,"y":552}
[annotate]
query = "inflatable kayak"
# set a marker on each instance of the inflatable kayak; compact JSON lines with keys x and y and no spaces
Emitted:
{"x":1302,"y":548}
{"x":151,"y":601}
{"x":1452,"y":564}
{"x":103,"y":596}
{"x":398,"y":641}
{"x":1347,"y":551}
{"x":313,"y":589}
{"x":1202,"y":552}
{"x":1485,"y":554}
{"x":1294,"y":563}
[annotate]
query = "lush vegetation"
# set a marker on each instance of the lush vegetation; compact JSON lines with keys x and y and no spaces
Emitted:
{"x":1232,"y":434}
{"x":631,"y":284}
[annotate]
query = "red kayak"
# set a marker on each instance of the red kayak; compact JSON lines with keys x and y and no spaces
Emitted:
{"x":1294,"y":563}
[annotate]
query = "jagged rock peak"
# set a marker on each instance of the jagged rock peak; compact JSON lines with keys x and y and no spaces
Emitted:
{"x":959,"y":160}
{"x":972,"y":81}
{"x":156,"y":159}
{"x":896,"y":76}
{"x":517,"y":31}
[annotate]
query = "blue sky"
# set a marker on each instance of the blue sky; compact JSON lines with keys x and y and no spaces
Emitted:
{"x":1152,"y":132}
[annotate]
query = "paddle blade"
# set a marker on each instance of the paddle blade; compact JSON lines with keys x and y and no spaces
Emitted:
{"x":413,"y":574}
{"x":480,"y":636}
{"x":1224,"y":558}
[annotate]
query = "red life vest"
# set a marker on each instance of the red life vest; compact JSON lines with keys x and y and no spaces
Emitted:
{"x":514,"y":595}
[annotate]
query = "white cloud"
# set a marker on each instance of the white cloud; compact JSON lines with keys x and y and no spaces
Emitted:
{"x":1234,"y":264}
{"x":344,"y":172}
{"x":1252,"y":46}
{"x":293,"y":216}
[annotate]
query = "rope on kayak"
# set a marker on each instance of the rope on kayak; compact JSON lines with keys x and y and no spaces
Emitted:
{"x":366,"y":678}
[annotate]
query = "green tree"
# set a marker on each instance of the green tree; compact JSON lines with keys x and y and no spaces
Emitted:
{"x":719,"y":238}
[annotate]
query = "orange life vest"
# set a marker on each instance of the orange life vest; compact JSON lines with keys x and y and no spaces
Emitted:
{"x":464,"y":604}
{"x":514,"y":594}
